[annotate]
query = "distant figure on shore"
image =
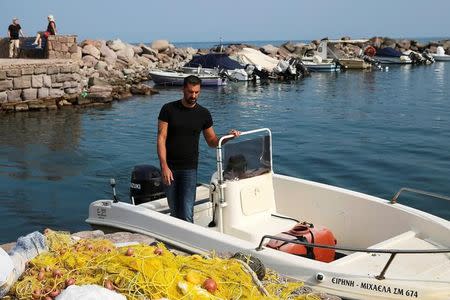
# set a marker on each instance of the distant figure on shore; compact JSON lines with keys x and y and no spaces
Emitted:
{"x":14,"y":30}
{"x":51,"y":30}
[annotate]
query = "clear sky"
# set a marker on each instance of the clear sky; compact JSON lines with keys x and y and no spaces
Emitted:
{"x":251,"y":20}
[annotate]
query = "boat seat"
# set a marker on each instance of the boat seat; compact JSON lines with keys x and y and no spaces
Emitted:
{"x":250,"y":205}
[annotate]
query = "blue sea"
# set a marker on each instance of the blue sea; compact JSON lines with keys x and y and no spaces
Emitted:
{"x":369,"y":131}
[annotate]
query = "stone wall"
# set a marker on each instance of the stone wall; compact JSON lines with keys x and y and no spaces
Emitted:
{"x":39,"y":84}
{"x":62,"y":46}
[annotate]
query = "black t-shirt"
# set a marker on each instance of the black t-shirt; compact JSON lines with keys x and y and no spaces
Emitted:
{"x":14,"y":31}
{"x":184,"y":127}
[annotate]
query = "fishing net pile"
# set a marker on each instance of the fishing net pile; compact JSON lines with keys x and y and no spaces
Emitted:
{"x":146,"y":272}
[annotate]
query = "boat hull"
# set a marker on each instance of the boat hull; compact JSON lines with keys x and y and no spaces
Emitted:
{"x":444,"y":57}
{"x":393,"y":60}
{"x":352,"y":277}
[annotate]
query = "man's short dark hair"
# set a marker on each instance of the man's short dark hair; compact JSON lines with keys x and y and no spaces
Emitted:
{"x":192,"y":80}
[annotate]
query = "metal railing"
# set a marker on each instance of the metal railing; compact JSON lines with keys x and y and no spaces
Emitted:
{"x":392,"y":252}
{"x":416,"y":191}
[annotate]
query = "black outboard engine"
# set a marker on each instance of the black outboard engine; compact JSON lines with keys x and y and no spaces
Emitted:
{"x":146,"y":184}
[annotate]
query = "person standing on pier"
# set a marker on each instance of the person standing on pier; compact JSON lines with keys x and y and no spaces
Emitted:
{"x":14,"y":30}
{"x":179,"y":126}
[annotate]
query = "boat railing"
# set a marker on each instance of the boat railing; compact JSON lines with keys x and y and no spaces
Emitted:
{"x":392,"y":252}
{"x":416,"y":191}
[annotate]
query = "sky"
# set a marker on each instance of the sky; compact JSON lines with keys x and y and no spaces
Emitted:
{"x":232,"y":20}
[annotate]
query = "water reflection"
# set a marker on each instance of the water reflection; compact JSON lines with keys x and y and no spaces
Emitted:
{"x":372,"y":132}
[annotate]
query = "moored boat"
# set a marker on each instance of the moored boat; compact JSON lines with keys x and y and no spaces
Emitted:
{"x":362,"y":247}
{"x":440,"y":54}
{"x":177,"y":78}
{"x":389,"y":55}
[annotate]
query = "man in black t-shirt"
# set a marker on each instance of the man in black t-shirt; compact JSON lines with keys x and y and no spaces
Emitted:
{"x":179,"y":126}
{"x":14,"y":30}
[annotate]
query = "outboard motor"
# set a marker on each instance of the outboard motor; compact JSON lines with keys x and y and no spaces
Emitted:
{"x":146,"y":184}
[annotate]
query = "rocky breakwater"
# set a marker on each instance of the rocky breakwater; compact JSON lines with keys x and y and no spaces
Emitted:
{"x":115,"y":70}
{"x":347,"y":48}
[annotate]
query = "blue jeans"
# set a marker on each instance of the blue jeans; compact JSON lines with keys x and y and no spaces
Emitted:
{"x":181,"y":194}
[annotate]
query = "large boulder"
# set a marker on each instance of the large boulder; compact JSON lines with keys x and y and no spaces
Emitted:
{"x":269,"y":49}
{"x":105,"y":51}
{"x":126,"y":53}
{"x":289,"y":46}
{"x":89,"y":61}
{"x":142,"y":89}
{"x":160,"y":45}
{"x":97,"y":81}
{"x":137,"y":50}
{"x":148,"y":50}
{"x":91,"y":50}
{"x":96,"y":43}
{"x":116,"y":45}
{"x":405,"y":44}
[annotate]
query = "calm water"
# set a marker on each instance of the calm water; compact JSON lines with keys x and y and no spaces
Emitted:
{"x":372,"y":132}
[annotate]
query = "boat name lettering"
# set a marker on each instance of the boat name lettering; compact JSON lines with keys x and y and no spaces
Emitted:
{"x":342,"y":281}
{"x":388,"y":290}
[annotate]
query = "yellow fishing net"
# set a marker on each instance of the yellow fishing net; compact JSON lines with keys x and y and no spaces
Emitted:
{"x":145,"y":272}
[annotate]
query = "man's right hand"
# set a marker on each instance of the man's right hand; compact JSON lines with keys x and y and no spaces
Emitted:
{"x":167,"y":176}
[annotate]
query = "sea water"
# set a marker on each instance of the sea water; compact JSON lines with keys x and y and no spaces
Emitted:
{"x":368,"y":131}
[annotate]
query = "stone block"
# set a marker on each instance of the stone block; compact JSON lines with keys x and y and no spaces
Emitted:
{"x":27,"y":71}
{"x":52,"y":70}
{"x":43,"y":93}
{"x":23,"y":82}
{"x":57,"y":84}
{"x":52,"y":107}
{"x":2,"y":75}
{"x":36,"y":105}
{"x":56,"y":93}
{"x":14,"y":73}
{"x":70,"y":84}
{"x":29,"y":94}
{"x":68,"y":77}
{"x":36,"y":81}
{"x":14,"y":95}
{"x":74,"y":90}
{"x":21,"y":107}
{"x":40,"y":70}
{"x":57,"y":46}
{"x":8,"y":106}
{"x":46,"y":81}
{"x":3,"y":97}
{"x":83,"y":101}
{"x":65,"y":69}
{"x":6,"y":85}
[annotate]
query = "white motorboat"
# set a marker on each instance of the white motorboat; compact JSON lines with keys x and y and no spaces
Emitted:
{"x":440,"y":54}
{"x":384,"y":250}
{"x":318,"y":64}
{"x":177,"y":78}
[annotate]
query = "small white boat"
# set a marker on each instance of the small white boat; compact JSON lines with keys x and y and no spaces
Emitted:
{"x":177,"y":78}
{"x":318,"y":64}
{"x":384,"y":250}
{"x":440,"y":54}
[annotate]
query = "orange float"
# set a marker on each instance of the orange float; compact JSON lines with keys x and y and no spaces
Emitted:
{"x":306,"y":232}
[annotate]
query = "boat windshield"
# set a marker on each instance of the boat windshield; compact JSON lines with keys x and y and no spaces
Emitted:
{"x":247,"y":158}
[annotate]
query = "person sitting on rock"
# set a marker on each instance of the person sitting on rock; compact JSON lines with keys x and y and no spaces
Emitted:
{"x":51,"y":30}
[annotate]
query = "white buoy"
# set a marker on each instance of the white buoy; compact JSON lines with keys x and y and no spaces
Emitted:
{"x":386,"y":68}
